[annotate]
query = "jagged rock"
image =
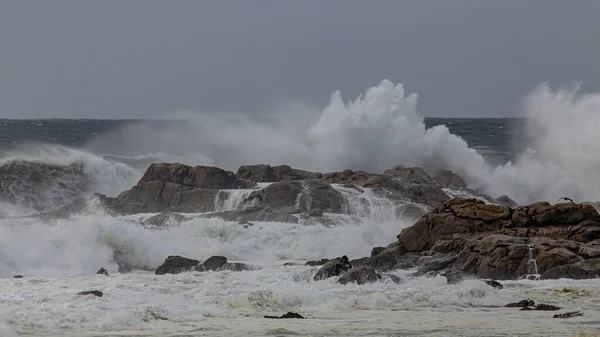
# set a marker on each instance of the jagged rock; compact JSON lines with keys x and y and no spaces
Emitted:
{"x":579,"y":270}
{"x":214,"y":263}
{"x":494,"y":284}
{"x":583,"y":232}
{"x":180,"y":188}
{"x":333,"y":267}
{"x":300,"y":196}
{"x":218,"y":263}
{"x":287,"y":315}
{"x":175,"y":264}
{"x":317,"y":263}
{"x":456,"y":216}
{"x":161,"y":196}
{"x":360,"y":275}
{"x":500,"y":256}
{"x":102,"y":271}
{"x":542,"y":307}
{"x":494,"y":240}
{"x":505,"y":200}
{"x":447,"y":179}
{"x":267,"y":173}
{"x":542,"y":214}
{"x":392,"y":257}
{"x":568,"y":314}
{"x":96,"y":293}
{"x":453,"y":276}
{"x":520,"y":304}
{"x":205,"y":177}
{"x":435,"y":263}
{"x":376,"y":251}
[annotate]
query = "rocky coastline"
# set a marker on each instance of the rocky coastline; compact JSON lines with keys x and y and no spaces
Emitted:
{"x":454,"y":237}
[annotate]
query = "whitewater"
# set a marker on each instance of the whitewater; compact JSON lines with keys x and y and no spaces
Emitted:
{"x":59,"y":256}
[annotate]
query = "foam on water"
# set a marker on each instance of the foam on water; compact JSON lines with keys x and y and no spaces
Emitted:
{"x":232,"y":200}
{"x":186,"y":301}
{"x":83,"y":243}
{"x":373,"y":204}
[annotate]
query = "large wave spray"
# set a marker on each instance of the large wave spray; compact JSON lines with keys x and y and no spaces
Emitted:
{"x":381,"y":129}
{"x":36,"y":178}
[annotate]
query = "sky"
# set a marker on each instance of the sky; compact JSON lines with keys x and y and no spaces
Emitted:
{"x":149,"y":58}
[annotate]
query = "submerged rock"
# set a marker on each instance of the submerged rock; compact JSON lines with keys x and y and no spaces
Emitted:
{"x":568,"y":314}
{"x":360,"y":275}
{"x":102,"y":271}
{"x":333,"y":267}
{"x":218,"y":263}
{"x":316,"y":263}
{"x":214,"y":263}
{"x":520,"y":304}
{"x":175,"y":264}
{"x":494,"y":284}
{"x":287,"y":315}
{"x":542,"y":307}
{"x":96,"y":293}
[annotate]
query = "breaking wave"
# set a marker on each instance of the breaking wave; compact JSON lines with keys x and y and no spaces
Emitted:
{"x":43,"y":177}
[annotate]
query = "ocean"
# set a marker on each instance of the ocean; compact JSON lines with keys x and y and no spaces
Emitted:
{"x":50,"y":163}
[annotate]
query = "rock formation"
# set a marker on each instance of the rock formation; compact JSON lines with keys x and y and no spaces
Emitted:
{"x":493,"y":241}
{"x":285,"y":194}
{"x":175,"y":264}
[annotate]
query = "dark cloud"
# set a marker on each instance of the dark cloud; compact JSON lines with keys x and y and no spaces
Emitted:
{"x":146,"y":58}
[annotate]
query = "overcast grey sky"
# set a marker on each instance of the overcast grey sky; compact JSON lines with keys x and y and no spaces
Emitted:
{"x":134,"y":58}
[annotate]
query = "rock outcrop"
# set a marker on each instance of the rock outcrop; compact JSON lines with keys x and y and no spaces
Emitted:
{"x":360,"y":275}
{"x":493,"y":241}
{"x":176,"y":264}
{"x":333,"y":267}
{"x":206,"y":177}
{"x":176,"y":188}
{"x":266,"y":173}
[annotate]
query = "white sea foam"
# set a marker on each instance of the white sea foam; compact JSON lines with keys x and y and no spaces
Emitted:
{"x":82,"y":244}
{"x":180,"y":304}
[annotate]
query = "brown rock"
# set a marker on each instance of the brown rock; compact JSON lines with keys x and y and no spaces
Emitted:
{"x":520,"y":304}
{"x":159,"y":196}
{"x":568,"y":314}
{"x":447,"y":179}
{"x":543,"y":214}
{"x":267,"y":173}
{"x":579,"y":270}
{"x":456,"y":216}
{"x":334,"y":267}
{"x":300,"y":196}
{"x":360,"y":275}
{"x":208,"y":177}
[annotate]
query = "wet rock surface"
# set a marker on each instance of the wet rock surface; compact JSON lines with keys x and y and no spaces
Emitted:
{"x":290,"y":314}
{"x":333,"y":267}
{"x":96,"y":293}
